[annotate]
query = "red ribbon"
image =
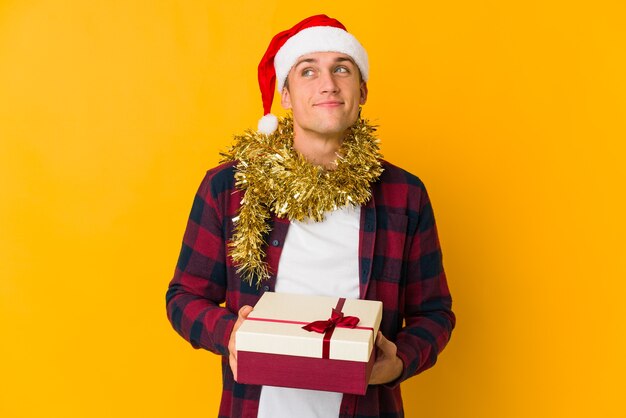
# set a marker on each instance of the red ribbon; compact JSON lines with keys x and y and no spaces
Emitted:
{"x":327,"y":327}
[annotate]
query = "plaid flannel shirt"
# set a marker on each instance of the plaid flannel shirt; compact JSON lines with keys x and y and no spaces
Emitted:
{"x":399,"y":264}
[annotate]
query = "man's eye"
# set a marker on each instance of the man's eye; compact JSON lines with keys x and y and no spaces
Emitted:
{"x":307,"y":73}
{"x":341,"y":70}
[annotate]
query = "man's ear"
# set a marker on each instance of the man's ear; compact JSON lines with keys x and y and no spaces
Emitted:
{"x":285,"y":98}
{"x":363,"y":89}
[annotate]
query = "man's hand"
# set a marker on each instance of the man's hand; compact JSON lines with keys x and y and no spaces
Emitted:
{"x":388,"y":366}
{"x":232,"y":358}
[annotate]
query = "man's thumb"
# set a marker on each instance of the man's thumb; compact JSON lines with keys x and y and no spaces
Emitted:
{"x":245,"y":311}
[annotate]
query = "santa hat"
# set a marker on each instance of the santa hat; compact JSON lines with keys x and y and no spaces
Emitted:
{"x":314,"y":34}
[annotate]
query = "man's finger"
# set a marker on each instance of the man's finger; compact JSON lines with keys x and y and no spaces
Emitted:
{"x":386,"y":346}
{"x":244,"y":311}
{"x":381,"y":341}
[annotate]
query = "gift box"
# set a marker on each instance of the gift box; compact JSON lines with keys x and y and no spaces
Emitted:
{"x":309,"y":342}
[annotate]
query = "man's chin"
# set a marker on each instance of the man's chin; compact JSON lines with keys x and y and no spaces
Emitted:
{"x":331,"y":127}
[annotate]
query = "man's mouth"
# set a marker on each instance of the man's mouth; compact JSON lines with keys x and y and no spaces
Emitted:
{"x":329,"y":103}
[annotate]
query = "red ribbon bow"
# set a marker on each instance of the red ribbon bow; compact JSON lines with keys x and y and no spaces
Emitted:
{"x":327,"y":327}
{"x":337,"y":319}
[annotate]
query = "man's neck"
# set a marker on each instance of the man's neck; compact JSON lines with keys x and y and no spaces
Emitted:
{"x":318,"y":149}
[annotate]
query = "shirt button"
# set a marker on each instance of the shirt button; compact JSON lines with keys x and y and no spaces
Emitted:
{"x":275,"y":243}
{"x":266,"y":288}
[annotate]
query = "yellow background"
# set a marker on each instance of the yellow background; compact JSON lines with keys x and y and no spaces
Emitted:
{"x":512,"y":113}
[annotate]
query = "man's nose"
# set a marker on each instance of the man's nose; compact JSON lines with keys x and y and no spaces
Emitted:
{"x":328,"y":84}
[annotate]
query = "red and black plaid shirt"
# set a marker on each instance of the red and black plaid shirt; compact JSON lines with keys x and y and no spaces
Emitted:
{"x":399,"y":264}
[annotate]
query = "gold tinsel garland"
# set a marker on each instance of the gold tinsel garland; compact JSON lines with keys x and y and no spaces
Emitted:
{"x":277,"y":179}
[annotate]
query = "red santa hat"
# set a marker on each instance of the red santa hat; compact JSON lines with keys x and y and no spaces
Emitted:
{"x":318,"y":33}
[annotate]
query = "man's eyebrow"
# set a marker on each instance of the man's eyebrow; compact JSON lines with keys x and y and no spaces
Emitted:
{"x":307,"y":60}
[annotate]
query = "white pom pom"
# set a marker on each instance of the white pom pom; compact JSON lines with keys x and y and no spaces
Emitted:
{"x":268,"y":124}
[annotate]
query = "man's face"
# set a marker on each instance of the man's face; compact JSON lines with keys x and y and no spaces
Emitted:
{"x":324,"y":93}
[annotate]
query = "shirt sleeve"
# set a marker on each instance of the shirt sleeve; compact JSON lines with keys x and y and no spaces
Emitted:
{"x":428,"y":316}
{"x":199,"y":284}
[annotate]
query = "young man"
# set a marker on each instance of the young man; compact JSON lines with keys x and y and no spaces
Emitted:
{"x":306,"y":205}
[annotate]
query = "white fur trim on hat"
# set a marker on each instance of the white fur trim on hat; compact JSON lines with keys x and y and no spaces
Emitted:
{"x":318,"y":39}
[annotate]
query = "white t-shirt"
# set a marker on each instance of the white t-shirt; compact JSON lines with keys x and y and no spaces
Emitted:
{"x":318,"y":258}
